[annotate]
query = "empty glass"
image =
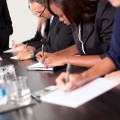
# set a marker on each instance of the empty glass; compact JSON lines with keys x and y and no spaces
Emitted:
{"x":23,"y":89}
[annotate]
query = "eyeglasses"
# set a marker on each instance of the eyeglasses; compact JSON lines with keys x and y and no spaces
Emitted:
{"x":42,"y":12}
{"x":37,"y":13}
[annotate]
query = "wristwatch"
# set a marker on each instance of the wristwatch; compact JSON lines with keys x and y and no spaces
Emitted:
{"x":31,"y":54}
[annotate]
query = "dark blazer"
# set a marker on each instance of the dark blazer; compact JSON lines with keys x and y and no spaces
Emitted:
{"x":96,"y":35}
{"x":5,"y":25}
{"x":59,"y":37}
{"x":114,"y":51}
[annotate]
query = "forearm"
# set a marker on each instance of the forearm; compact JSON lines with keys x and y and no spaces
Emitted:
{"x":84,"y":61}
{"x":100,"y":69}
{"x":72,"y":50}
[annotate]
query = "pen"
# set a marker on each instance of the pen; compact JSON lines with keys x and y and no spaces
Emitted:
{"x":68,"y":68}
{"x":42,"y":50}
{"x":26,"y":45}
{"x":36,"y":97}
{"x":13,"y":42}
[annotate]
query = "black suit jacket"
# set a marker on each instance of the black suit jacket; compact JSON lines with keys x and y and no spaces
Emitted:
{"x":96,"y":35}
{"x":59,"y":37}
{"x":5,"y":25}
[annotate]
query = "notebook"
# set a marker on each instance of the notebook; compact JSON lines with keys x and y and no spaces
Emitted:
{"x":38,"y":66}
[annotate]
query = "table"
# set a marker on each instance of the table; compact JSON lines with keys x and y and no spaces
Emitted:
{"x":104,"y":107}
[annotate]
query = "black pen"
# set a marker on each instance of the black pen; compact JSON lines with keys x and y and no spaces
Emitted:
{"x":36,"y":97}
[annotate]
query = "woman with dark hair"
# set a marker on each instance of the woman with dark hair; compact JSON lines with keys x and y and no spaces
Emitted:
{"x":5,"y":25}
{"x":92,"y":28}
{"x":107,"y":65}
{"x":56,"y":31}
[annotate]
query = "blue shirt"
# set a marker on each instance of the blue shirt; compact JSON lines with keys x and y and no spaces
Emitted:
{"x":114,"y":51}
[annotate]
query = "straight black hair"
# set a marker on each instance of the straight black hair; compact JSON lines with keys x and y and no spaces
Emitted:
{"x":77,"y":11}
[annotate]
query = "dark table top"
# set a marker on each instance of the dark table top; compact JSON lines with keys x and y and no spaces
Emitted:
{"x":104,"y":107}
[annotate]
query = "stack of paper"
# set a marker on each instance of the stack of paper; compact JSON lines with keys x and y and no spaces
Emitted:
{"x":1,"y":59}
{"x":13,"y":57}
{"x":38,"y":66}
{"x":8,"y":51}
{"x":81,"y":95}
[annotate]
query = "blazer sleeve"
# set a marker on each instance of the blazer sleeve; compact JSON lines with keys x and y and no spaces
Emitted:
{"x":36,"y":38}
{"x":62,"y":39}
{"x":114,"y":51}
{"x":107,"y":20}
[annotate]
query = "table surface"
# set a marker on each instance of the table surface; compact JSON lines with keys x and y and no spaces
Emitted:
{"x":104,"y":107}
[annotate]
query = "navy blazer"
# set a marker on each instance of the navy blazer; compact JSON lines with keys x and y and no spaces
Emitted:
{"x":96,"y":35}
{"x":59,"y":37}
{"x":5,"y":25}
{"x":114,"y":51}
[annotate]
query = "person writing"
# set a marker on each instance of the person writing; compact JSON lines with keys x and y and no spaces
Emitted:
{"x":92,"y":29}
{"x":110,"y":63}
{"x":58,"y":32}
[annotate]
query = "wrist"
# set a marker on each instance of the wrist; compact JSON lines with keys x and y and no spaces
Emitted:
{"x":31,"y":53}
{"x":65,"y":60}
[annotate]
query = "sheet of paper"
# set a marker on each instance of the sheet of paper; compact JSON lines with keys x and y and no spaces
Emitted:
{"x":81,"y":95}
{"x":14,"y":57}
{"x":1,"y":59}
{"x":38,"y":66}
{"x":8,"y":51}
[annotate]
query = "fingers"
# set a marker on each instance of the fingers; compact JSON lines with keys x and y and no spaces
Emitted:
{"x":49,"y":62}
{"x":60,"y":81}
{"x":113,"y":76}
{"x":23,"y":55}
{"x":39,"y":57}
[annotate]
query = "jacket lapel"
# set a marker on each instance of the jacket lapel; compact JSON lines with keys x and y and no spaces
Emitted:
{"x":87,"y":31}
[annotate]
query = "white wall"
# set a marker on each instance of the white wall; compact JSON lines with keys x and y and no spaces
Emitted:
{"x":24,"y":23}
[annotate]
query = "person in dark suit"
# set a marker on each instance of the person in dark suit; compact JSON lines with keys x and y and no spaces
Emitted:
{"x":6,"y":28}
{"x":110,"y":63}
{"x":92,"y":29}
{"x":59,"y":35}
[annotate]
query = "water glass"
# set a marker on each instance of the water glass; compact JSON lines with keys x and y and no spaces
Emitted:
{"x":23,"y":90}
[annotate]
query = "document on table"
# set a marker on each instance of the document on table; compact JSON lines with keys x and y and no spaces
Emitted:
{"x":13,"y":57}
{"x":1,"y":59}
{"x":38,"y":66}
{"x":81,"y":95}
{"x":8,"y":51}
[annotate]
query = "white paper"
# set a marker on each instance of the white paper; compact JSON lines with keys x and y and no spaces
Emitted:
{"x":38,"y":66}
{"x":14,"y":57}
{"x":81,"y":95}
{"x":8,"y":51}
{"x":1,"y":59}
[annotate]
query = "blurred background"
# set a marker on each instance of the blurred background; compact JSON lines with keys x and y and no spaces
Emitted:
{"x":23,"y":21}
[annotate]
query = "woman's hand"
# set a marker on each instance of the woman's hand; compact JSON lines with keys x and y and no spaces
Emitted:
{"x":41,"y":58}
{"x":75,"y":81}
{"x":55,"y":60}
{"x":113,"y":76}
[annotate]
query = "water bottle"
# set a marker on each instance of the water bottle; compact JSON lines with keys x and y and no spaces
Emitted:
{"x":3,"y":95}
